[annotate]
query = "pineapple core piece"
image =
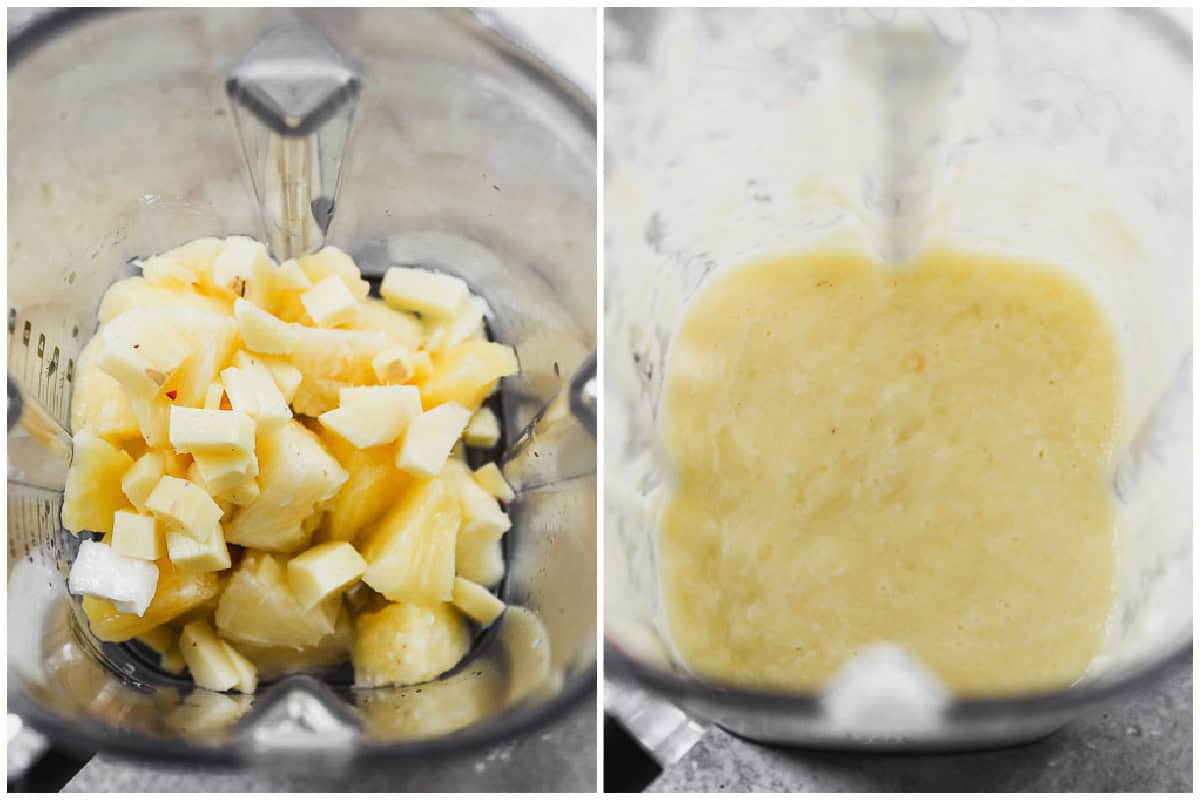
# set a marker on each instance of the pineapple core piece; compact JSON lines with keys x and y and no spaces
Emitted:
{"x":206,"y":658}
{"x":429,"y":439}
{"x":492,"y":481}
{"x":262,"y":331}
{"x":137,"y":536}
{"x":477,"y":602}
{"x":368,"y":416}
{"x":330,"y":303}
{"x":324,"y":571}
{"x":411,"y":549}
{"x":403,"y":644}
{"x":198,"y":430}
{"x":429,"y":294}
{"x":483,"y":430}
{"x":142,"y":477}
{"x":93,"y":492}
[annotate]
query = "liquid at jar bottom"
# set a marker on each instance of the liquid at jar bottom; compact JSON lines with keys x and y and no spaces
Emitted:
{"x":919,"y":455}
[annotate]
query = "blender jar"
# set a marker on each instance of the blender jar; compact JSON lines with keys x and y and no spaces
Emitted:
{"x":1058,"y":135}
{"x":457,"y":150}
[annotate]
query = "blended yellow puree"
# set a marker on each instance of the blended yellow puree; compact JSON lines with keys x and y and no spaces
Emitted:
{"x":920,"y":455}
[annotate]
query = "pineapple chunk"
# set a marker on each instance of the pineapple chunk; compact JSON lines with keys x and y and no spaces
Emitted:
{"x":336,"y":354}
{"x":222,"y":474}
{"x":482,"y":515}
{"x":332,"y":650}
{"x":206,"y":659}
{"x":137,"y":375}
{"x":172,"y":660}
{"x":177,"y":465}
{"x":262,"y":331}
{"x":324,"y":571}
{"x":137,"y":536}
{"x":239,"y":261}
{"x":287,"y":378}
{"x":258,"y":608}
{"x":477,"y":602}
{"x":93,"y":491}
{"x":368,"y":416}
{"x":429,"y":439}
{"x":136,"y":292}
{"x":483,"y":430}
{"x":99,"y":571}
{"x":209,"y":554}
{"x":316,"y":396}
{"x":142,"y":477}
{"x":198,"y":430}
{"x":479,"y":559}
{"x":243,"y":494}
{"x":252,"y":391}
{"x":184,"y":505}
{"x":276,"y":289}
{"x":403,"y":330}
{"x":98,"y":401}
{"x":411,"y":550}
{"x":404,"y":644}
{"x":213,"y":396}
{"x":183,"y":267}
{"x":467,"y":323}
{"x":295,"y":475}
{"x":247,"y":674}
{"x":491,"y":480}
{"x":160,"y":640}
{"x":332,"y":262}
{"x":467,"y":373}
{"x":394,"y":365}
{"x":373,"y":485}
{"x":330,"y":303}
{"x":178,"y":592}
{"x":430,"y":294}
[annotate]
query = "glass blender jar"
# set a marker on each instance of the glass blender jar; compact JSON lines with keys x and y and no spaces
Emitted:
{"x":1058,"y":135}
{"x":424,"y":138}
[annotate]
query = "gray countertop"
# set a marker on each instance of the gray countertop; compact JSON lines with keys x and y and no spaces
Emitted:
{"x":1140,"y":744}
{"x":559,"y":758}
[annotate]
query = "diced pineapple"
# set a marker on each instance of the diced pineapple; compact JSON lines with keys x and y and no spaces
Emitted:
{"x":211,"y":338}
{"x":93,"y":491}
{"x":142,"y":477}
{"x":172,"y":660}
{"x":429,"y":439}
{"x":262,"y":331}
{"x":208,"y":554}
{"x":258,"y":608}
{"x":99,"y":571}
{"x":223,"y":474}
{"x":277,"y":288}
{"x":373,"y":485}
{"x":295,"y":475}
{"x":482,"y":515}
{"x":213,"y":396}
{"x":483,"y":430}
{"x":477,"y":602}
{"x":468,"y":322}
{"x":206,"y":658}
{"x":161,"y":639}
{"x":332,"y":262}
{"x":329,"y":303}
{"x":336,"y":354}
{"x":492,"y":481}
{"x":243,"y":494}
{"x":185,"y":266}
{"x":324,"y":571}
{"x":178,"y":592}
{"x":185,"y":506}
{"x":137,"y":536}
{"x":403,"y":330}
{"x":369,"y":416}
{"x":138,"y":377}
{"x":411,"y":549}
{"x":291,"y":277}
{"x":136,"y":292}
{"x":247,"y":673}
{"x":393,"y":365}
{"x":198,"y":430}
{"x":430,"y":294}
{"x":175,"y":464}
{"x":98,"y":401}
{"x":316,"y":396}
{"x":287,"y":377}
{"x":467,"y":373}
{"x":404,"y":644}
{"x":239,"y":260}
{"x":331,"y":650}
{"x":252,"y":391}
{"x":479,"y":558}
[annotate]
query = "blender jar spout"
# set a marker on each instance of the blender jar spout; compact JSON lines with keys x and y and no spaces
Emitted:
{"x":293,"y":99}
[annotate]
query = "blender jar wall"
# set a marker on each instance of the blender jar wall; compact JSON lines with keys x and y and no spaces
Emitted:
{"x":465,"y":155}
{"x":732,"y":135}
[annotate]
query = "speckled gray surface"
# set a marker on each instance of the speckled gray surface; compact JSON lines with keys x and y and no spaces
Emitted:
{"x":560,"y":758}
{"x":1141,"y":744}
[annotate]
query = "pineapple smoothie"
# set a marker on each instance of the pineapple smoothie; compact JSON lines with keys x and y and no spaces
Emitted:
{"x":271,"y":464}
{"x":918,"y":455}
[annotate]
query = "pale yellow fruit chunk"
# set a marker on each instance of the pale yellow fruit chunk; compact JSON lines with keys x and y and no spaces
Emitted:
{"x":247,"y":673}
{"x":492,"y":481}
{"x":330,"y":303}
{"x":404,"y":644}
{"x":394,"y":365}
{"x":275,"y":660}
{"x":477,"y":602}
{"x":142,"y":477}
{"x":262,"y":331}
{"x":137,"y":536}
{"x":184,"y":266}
{"x":98,"y":401}
{"x":258,"y":608}
{"x":429,"y":439}
{"x":252,"y":391}
{"x":93,"y":491}
{"x":324,"y":571}
{"x":172,"y":660}
{"x":213,"y":396}
{"x":206,"y":658}
{"x":468,"y":322}
{"x":207,"y":554}
{"x":287,"y":377}
{"x":430,"y":294}
{"x":483,"y":430}
{"x":198,"y":430}
{"x":178,"y":592}
{"x":136,"y":292}
{"x":411,"y":549}
{"x":160,"y":640}
{"x":402,"y":329}
{"x":237,"y":263}
{"x":368,"y":416}
{"x":373,"y":487}
{"x":330,"y":261}
{"x":482,"y":515}
{"x":185,"y":506}
{"x":479,"y":558}
{"x":467,"y":373}
{"x":224,"y":473}
{"x":336,"y":354}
